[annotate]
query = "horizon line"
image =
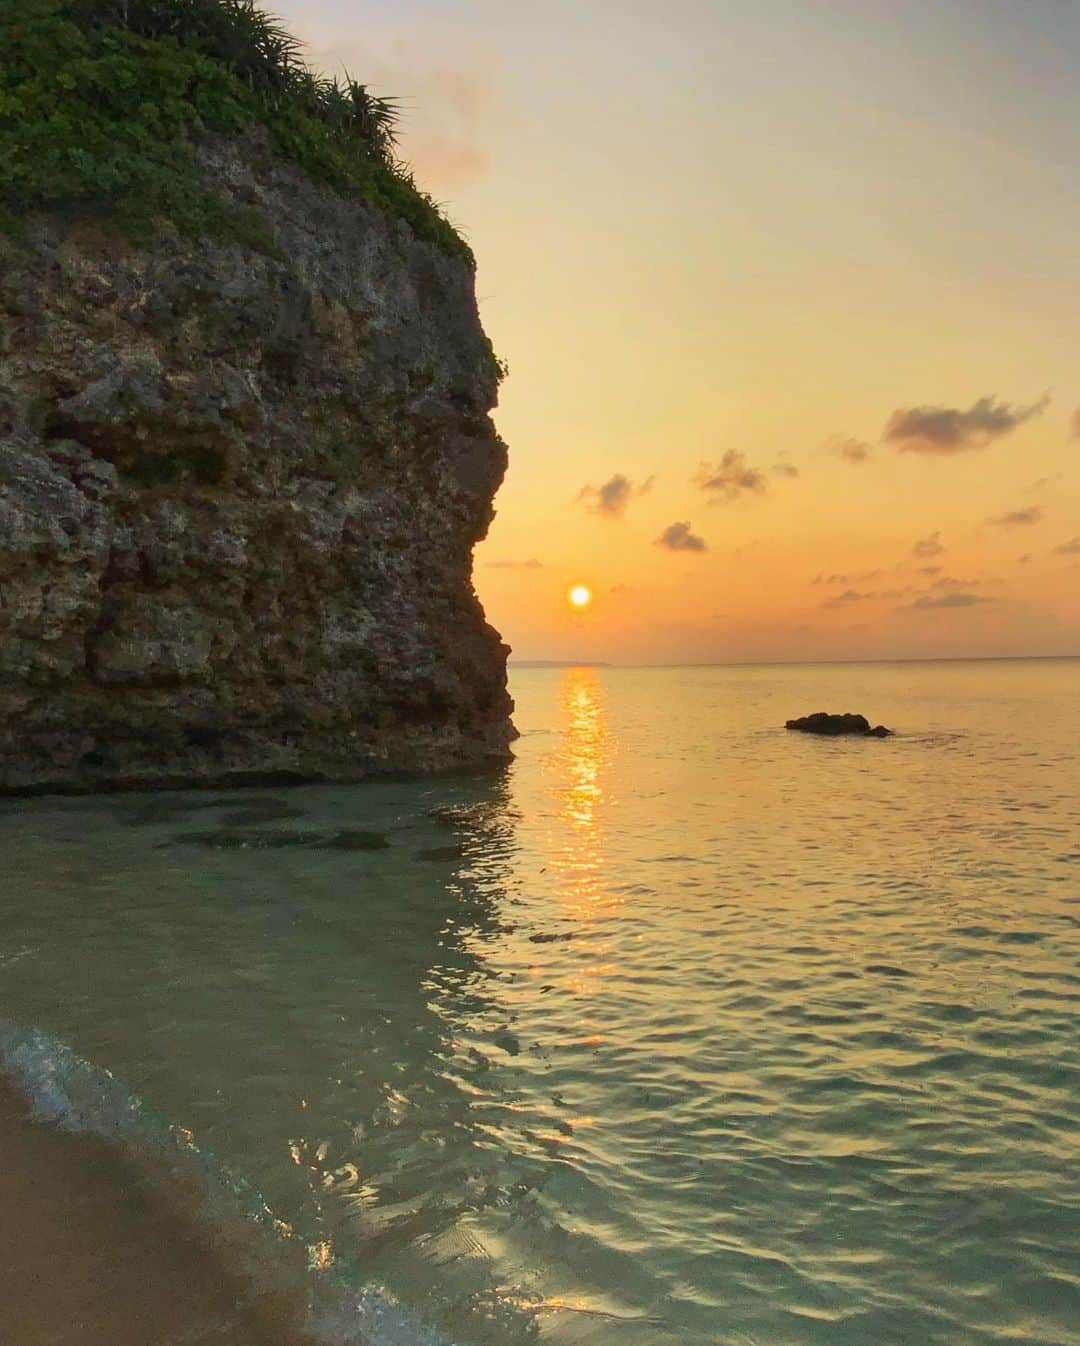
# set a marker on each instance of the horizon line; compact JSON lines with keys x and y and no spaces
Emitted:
{"x":796,"y":663}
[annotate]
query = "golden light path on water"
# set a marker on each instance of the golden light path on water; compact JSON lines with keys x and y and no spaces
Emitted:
{"x":579,"y":768}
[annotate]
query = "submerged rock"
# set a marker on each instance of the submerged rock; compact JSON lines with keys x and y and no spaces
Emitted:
{"x":440,"y":853}
{"x":236,"y":839}
{"x":239,"y":493}
{"x":821,"y":722}
{"x":250,"y":815}
{"x":355,"y":841}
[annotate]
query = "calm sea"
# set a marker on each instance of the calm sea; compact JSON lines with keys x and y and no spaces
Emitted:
{"x":684,"y":1030}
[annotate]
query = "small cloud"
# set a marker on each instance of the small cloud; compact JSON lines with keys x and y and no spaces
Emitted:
{"x":678,"y":537}
{"x":1019,"y":518}
{"x":1070,"y":548}
{"x":947,"y":582}
{"x":951,"y":600}
{"x":784,"y":469}
{"x":448,"y":163}
{"x":847,"y":597}
{"x":1023,"y":560}
{"x":451,"y":101}
{"x":928,"y":570}
{"x":731,"y":477}
{"x":1044,"y":482}
{"x":531,"y":564}
{"x":851,"y":450}
{"x":931,"y":545}
{"x":860,"y":578}
{"x":613,"y":497}
{"x":944,"y":430}
{"x":621,"y":589}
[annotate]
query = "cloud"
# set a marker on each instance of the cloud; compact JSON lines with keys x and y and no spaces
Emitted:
{"x":784,"y":469}
{"x":447,"y":164}
{"x":731,"y":477}
{"x":847,"y":597}
{"x":851,"y":450}
{"x":863,"y":575}
{"x":947,"y":582}
{"x":678,"y":537}
{"x":531,"y":564}
{"x":1070,"y":548}
{"x":950,"y":600}
{"x":1023,"y":560}
{"x":1044,"y":482}
{"x":944,"y":430}
{"x":1019,"y":518}
{"x":928,"y":570}
{"x":930,"y":545}
{"x":850,"y":596}
{"x":613,"y":497}
{"x":446,"y":99}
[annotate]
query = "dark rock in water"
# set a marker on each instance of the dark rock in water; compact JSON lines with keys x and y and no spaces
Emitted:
{"x":821,"y":722}
{"x":355,"y":841}
{"x":441,"y":853}
{"x":172,"y":808}
{"x":242,"y":839}
{"x":260,"y":811}
{"x":508,"y":1041}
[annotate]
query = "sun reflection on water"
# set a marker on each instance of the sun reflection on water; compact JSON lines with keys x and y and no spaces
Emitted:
{"x":579,"y":767}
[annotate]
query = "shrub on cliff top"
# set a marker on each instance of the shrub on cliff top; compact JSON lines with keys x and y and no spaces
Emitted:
{"x":101,"y":102}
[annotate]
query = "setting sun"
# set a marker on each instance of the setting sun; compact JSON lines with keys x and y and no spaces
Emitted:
{"x":580,"y":596}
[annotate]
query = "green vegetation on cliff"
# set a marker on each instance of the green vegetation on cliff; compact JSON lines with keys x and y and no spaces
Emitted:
{"x":102,"y":102}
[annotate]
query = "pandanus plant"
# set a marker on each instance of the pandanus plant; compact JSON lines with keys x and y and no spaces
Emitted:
{"x":262,"y":54}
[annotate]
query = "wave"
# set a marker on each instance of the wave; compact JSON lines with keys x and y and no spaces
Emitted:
{"x":70,"y":1093}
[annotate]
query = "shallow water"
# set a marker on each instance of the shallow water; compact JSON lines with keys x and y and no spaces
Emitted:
{"x":683,"y":1030}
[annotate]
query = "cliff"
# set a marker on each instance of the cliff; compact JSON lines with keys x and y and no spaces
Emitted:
{"x":239,"y":491}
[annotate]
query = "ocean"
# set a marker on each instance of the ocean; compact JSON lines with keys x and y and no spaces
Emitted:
{"x":683,"y":1030}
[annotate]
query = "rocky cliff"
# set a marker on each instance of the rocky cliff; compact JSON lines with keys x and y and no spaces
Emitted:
{"x":239,"y":492}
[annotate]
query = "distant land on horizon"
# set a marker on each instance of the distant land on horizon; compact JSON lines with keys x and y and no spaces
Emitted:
{"x":797,"y":663}
{"x":562,"y":663}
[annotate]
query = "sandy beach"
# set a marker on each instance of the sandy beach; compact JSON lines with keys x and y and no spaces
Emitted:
{"x":89,"y":1256}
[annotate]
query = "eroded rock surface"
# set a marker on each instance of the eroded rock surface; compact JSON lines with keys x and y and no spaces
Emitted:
{"x":239,"y":495}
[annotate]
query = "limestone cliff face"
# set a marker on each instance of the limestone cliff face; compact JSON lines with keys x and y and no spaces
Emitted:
{"x":239,"y":494}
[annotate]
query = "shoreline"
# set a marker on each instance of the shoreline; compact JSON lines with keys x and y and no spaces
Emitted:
{"x":91,"y":1256}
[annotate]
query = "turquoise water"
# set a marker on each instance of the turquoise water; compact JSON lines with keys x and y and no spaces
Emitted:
{"x":684,"y":1030}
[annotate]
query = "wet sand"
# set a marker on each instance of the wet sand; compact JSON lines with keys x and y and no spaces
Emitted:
{"x":90,"y":1256}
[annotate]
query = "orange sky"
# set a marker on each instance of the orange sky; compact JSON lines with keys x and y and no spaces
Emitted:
{"x":829,"y":251}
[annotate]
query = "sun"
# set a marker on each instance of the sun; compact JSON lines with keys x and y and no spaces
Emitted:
{"x":580,"y":596}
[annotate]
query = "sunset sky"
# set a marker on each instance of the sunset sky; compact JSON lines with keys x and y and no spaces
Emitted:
{"x":790,"y":294}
